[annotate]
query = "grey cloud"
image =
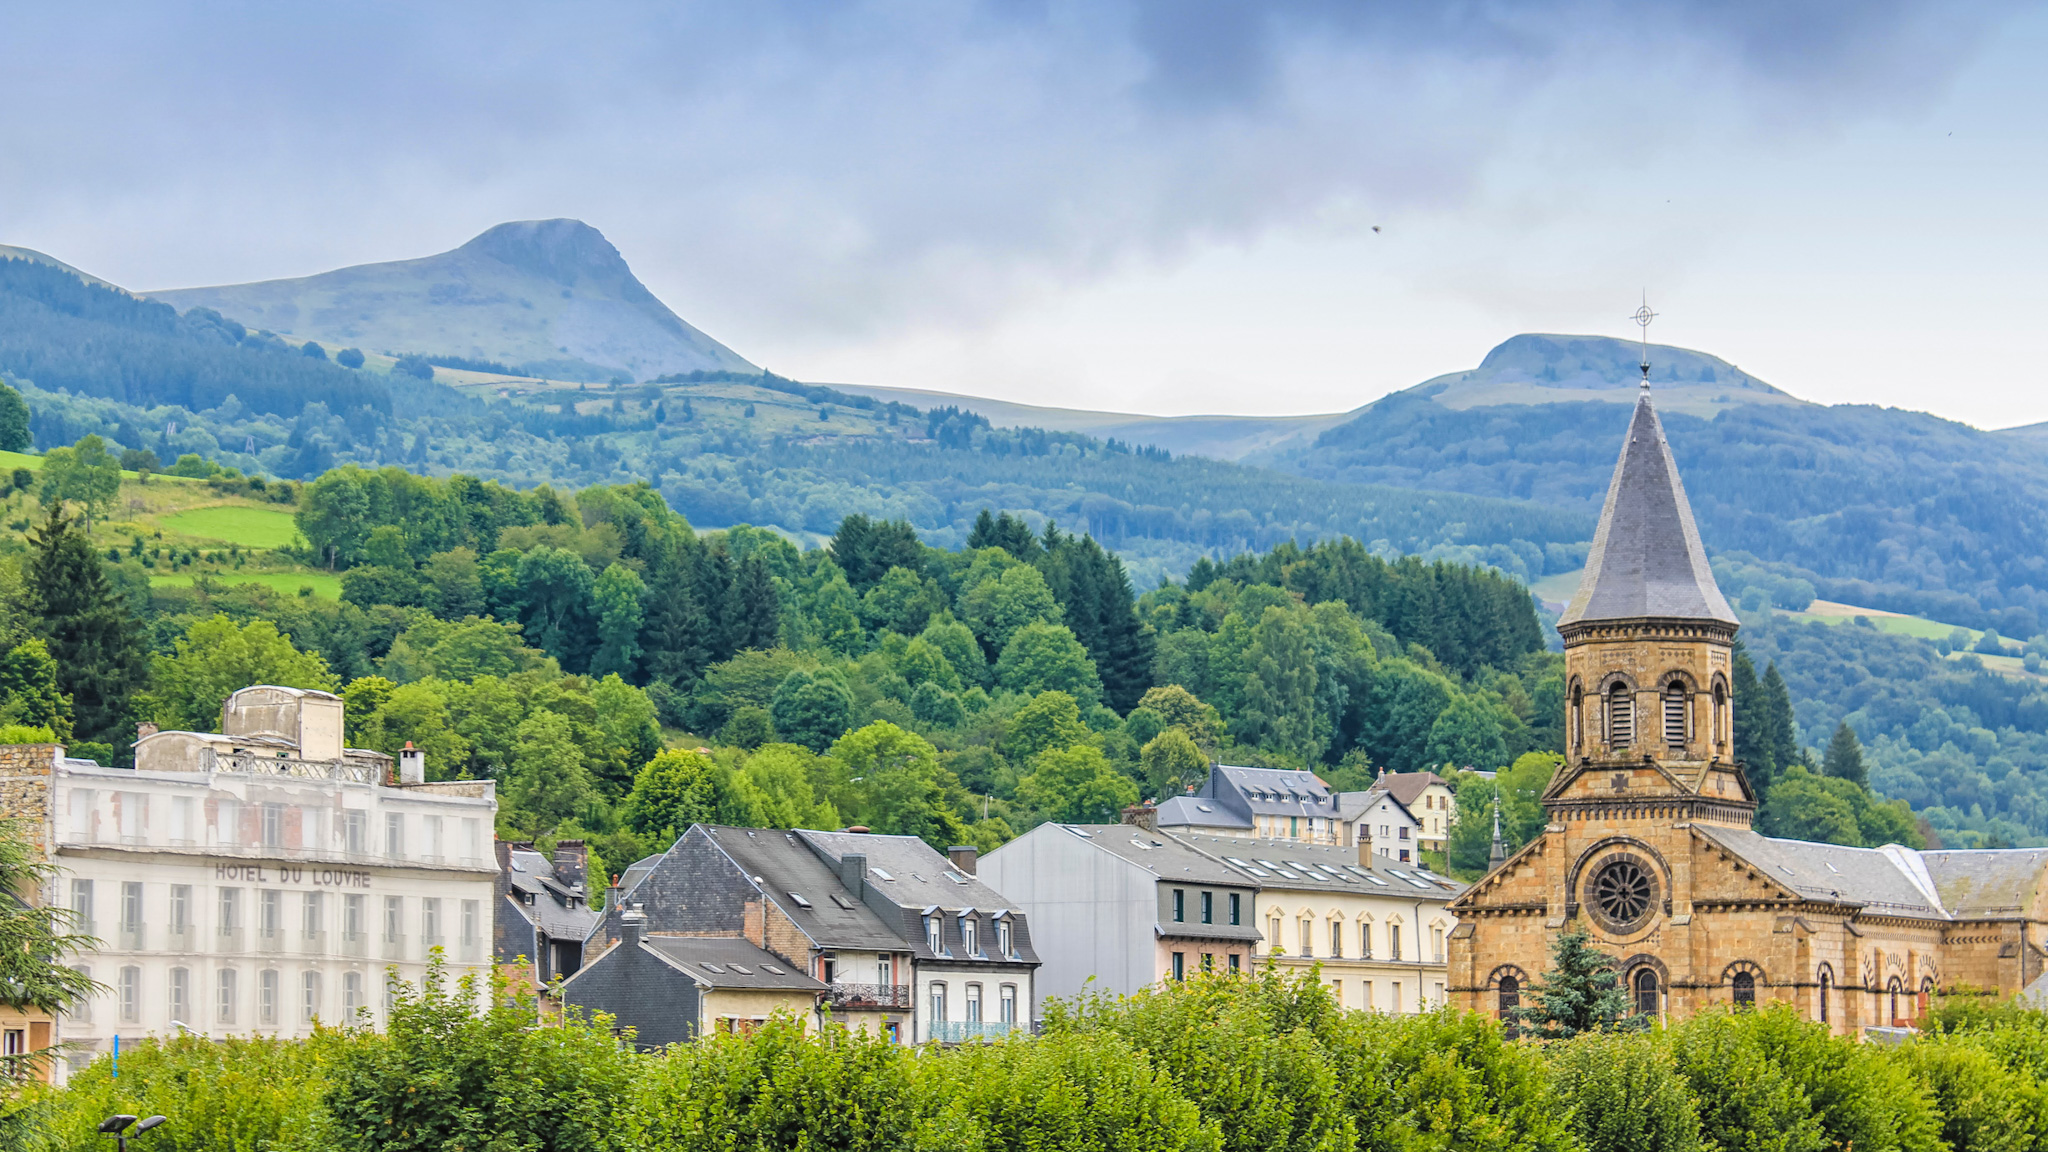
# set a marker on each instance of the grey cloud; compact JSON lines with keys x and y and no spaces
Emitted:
{"x":844,"y":167}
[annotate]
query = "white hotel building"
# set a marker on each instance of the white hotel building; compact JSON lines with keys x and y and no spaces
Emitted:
{"x":258,"y":879}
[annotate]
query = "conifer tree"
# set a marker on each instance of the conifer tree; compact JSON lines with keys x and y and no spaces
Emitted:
{"x":1844,"y":759}
{"x":757,"y":621}
{"x":93,"y":637}
{"x":675,"y":638}
{"x":1580,"y":992}
{"x":1752,"y":747}
{"x":1780,"y":729}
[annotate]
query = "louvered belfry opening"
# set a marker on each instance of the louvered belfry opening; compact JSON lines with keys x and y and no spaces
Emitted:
{"x":1674,"y":715}
{"x":1621,"y":717}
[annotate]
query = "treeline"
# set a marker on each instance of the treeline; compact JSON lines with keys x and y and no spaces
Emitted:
{"x":1895,"y":510}
{"x":1225,"y":1062}
{"x":65,"y":333}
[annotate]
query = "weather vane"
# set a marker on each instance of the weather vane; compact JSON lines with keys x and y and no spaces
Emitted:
{"x":1642,"y":318}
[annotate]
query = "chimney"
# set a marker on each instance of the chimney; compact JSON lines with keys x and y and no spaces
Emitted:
{"x":632,"y":926}
{"x":572,"y":862}
{"x":853,"y":872}
{"x":1364,"y":839}
{"x":963,"y":857}
{"x":412,"y":765}
{"x":145,"y":730}
{"x":612,"y":894}
{"x":1144,"y":815}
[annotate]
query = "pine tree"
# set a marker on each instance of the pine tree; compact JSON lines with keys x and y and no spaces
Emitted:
{"x":1752,"y":747}
{"x":1780,"y":730}
{"x":675,"y":639}
{"x":757,"y":620}
{"x":1580,"y":992}
{"x":1844,"y":760}
{"x":94,"y":638}
{"x":712,"y":578}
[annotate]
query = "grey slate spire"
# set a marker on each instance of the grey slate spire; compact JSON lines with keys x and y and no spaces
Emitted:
{"x":1498,"y":854}
{"x":1647,"y":559}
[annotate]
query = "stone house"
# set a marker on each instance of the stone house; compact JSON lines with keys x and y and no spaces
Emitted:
{"x":673,"y":989}
{"x":543,"y":917}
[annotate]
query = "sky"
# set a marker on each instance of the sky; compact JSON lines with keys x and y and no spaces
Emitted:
{"x":1162,"y":206}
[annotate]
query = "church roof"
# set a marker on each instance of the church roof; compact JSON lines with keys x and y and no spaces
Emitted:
{"x":1888,"y":881}
{"x":1987,"y":881}
{"x":1647,"y":559}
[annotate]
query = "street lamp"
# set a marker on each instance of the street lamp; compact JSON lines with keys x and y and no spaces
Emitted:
{"x":116,"y":1126}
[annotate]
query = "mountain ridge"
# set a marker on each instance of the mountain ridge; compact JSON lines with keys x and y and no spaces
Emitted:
{"x":551,"y":296}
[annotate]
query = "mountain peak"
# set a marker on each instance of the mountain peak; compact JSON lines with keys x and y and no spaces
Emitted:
{"x":560,"y":250}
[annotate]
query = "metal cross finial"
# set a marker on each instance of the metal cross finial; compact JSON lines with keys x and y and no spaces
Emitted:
{"x":1642,"y":318}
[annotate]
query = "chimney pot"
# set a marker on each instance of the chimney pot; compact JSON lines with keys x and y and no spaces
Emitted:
{"x":412,"y":765}
{"x":633,"y":926}
{"x":146,"y":729}
{"x":964,"y":857}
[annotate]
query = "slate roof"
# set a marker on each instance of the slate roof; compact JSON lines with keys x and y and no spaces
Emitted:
{"x":922,"y":877}
{"x":786,"y":866}
{"x":1408,"y":787}
{"x":1165,"y":856}
{"x":1200,"y":812}
{"x":716,"y":962}
{"x":1280,"y":864}
{"x":1647,"y":559}
{"x":1887,"y":881}
{"x":1987,"y":882}
{"x":558,"y":909}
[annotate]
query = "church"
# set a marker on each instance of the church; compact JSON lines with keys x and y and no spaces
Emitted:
{"x":1649,"y":843}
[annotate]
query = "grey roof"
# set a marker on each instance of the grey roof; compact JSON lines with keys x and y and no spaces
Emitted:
{"x":1276,"y":791}
{"x":1987,"y":882}
{"x":785,"y":866}
{"x":920,"y":876}
{"x":1166,"y":857}
{"x":728,"y":962}
{"x":1408,"y":787}
{"x":1279,"y":864}
{"x":558,"y":909}
{"x":1647,"y":559}
{"x":1887,"y":881}
{"x":1200,"y":812}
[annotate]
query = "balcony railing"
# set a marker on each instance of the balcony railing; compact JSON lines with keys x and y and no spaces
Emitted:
{"x":857,"y":996}
{"x":258,"y":765}
{"x":957,"y":1031}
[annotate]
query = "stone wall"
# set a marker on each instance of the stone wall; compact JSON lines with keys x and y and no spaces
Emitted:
{"x":25,"y":788}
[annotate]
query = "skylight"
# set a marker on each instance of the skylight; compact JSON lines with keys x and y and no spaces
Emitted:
{"x":842,"y":901}
{"x":708,"y":966}
{"x":772,"y":970}
{"x":1236,"y":861}
{"x":742,"y":969}
{"x":1289,"y":875}
{"x":800,"y":901}
{"x":882,"y":875}
{"x":1372,"y":879}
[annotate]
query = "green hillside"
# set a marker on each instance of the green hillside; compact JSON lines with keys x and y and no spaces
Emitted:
{"x":552,"y":297}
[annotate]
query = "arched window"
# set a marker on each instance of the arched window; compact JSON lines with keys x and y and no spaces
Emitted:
{"x":1578,"y":717}
{"x":1827,"y":984}
{"x":1646,"y":991}
{"x":1745,"y":989}
{"x":1674,"y":715}
{"x":1621,"y":717}
{"x":1893,"y":989}
{"x":1721,"y":719}
{"x":1510,"y":995}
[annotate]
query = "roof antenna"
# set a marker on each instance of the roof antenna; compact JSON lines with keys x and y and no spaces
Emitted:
{"x":1642,"y":318}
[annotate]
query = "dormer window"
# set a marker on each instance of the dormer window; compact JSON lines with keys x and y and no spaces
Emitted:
{"x":932,"y":932}
{"x":1003,"y":937}
{"x":969,"y":935}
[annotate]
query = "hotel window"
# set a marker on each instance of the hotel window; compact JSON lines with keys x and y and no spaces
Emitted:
{"x":81,"y":1008}
{"x":1208,"y":907}
{"x":81,"y":815}
{"x":469,"y":839}
{"x":1621,"y":717}
{"x":132,"y":805}
{"x":312,"y":914}
{"x":309,"y":997}
{"x":81,"y":907}
{"x":351,"y":994}
{"x":267,"y":992}
{"x":470,"y":911}
{"x":131,"y":906}
{"x":273,"y":825}
{"x":974,"y":1003}
{"x":932,"y":931}
{"x":1180,"y":905}
{"x":182,"y":821}
{"x":1236,"y":908}
{"x":1308,"y":947}
{"x":227,"y":822}
{"x":224,"y":996}
{"x":1674,"y":715}
{"x":433,"y":826}
{"x":181,"y":994}
{"x":430,"y":920}
{"x":1365,"y":939}
{"x":391,"y":985}
{"x":352,"y":915}
{"x":309,"y":829}
{"x":269,"y":914}
{"x":394,"y":919}
{"x":355,"y":832}
{"x":394,"y":835}
{"x":937,"y":993}
{"x":1394,"y":942}
{"x":1180,"y":965}
{"x":1336,"y":939}
{"x":230,"y":919}
{"x":131,"y":995}
{"x":1003,"y":938}
{"x":1006,"y":1003}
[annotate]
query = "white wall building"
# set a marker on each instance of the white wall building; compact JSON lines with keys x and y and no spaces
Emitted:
{"x":253,"y":881}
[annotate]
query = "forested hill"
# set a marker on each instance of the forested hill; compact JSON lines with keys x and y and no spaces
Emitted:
{"x":1877,"y":506}
{"x":722,"y":447}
